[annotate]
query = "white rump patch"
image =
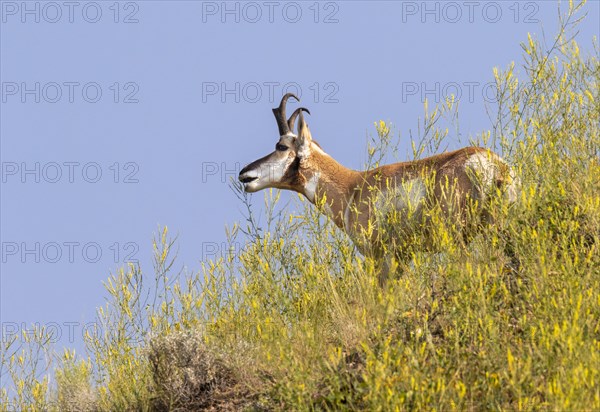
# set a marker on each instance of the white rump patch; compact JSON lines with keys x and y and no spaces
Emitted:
{"x":482,"y":168}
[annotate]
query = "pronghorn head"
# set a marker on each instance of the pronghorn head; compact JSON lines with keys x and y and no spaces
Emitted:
{"x":283,"y":168}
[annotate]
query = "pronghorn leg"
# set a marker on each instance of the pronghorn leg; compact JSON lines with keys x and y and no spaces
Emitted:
{"x":387,"y":267}
{"x":514,"y":264}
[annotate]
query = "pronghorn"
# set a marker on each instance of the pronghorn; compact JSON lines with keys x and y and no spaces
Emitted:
{"x":356,"y":200}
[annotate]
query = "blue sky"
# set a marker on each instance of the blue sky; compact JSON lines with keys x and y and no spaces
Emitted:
{"x":120,"y":117}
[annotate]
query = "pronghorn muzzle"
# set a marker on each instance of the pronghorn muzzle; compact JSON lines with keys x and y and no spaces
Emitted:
{"x":250,"y":173}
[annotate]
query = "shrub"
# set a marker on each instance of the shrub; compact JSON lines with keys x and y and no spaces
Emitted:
{"x":186,"y":376}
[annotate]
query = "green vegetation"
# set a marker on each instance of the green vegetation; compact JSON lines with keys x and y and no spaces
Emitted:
{"x":297,"y":320}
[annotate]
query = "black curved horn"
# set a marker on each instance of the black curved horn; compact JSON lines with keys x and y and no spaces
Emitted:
{"x":292,"y":118}
{"x":280,"y":116}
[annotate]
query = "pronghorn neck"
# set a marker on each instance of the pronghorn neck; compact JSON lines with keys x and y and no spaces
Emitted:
{"x":328,"y":183}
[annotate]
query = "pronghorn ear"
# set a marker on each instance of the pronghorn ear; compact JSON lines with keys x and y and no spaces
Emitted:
{"x":304,"y":138}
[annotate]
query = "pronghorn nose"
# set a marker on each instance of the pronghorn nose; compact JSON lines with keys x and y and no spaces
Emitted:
{"x":247,"y":174}
{"x":244,"y":170}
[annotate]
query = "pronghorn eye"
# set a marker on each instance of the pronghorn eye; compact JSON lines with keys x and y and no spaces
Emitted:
{"x":281,"y":147}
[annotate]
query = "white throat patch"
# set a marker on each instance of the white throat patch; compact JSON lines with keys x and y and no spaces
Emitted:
{"x":310,"y":189}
